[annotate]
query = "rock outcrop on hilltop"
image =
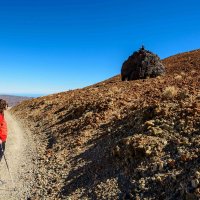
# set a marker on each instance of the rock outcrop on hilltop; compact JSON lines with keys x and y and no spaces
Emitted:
{"x":120,"y":139}
{"x":142,"y":64}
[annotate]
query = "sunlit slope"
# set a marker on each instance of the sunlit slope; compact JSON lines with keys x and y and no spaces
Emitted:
{"x":120,"y":139}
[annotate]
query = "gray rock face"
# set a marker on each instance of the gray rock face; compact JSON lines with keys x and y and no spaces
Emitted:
{"x":141,"y":65}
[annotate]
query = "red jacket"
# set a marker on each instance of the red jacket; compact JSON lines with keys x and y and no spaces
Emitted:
{"x":3,"y":128}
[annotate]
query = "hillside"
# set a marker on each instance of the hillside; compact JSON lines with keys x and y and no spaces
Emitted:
{"x":13,"y":100}
{"x":120,"y":140}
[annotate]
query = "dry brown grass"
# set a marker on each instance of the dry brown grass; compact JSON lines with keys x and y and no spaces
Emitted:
{"x":170,"y":92}
{"x":183,"y":73}
{"x":193,"y":71}
{"x":178,"y":77}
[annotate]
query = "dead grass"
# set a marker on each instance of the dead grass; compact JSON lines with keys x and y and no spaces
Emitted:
{"x":170,"y":92}
{"x":178,"y":77}
{"x":183,"y":73}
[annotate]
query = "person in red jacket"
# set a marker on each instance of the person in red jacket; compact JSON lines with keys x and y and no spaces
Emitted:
{"x":3,"y":127}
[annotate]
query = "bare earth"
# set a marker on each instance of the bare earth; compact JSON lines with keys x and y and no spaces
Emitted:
{"x":119,"y":140}
{"x":19,"y":151}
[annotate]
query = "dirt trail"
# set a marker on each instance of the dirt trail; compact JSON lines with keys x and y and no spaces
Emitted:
{"x":19,"y":153}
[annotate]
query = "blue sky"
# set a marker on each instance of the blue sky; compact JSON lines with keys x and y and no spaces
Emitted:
{"x":50,"y":46}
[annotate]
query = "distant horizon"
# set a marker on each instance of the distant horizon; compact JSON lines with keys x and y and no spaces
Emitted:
{"x":36,"y":94}
{"x":23,"y":95}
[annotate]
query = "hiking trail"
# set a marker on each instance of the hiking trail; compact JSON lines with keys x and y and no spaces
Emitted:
{"x":19,"y":153}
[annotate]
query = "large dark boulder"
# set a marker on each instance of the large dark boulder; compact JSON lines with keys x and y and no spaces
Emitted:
{"x":142,"y":64}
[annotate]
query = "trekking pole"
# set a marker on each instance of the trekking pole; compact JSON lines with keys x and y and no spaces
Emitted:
{"x":8,"y":168}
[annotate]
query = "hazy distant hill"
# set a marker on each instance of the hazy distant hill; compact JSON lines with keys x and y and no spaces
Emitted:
{"x":13,"y":100}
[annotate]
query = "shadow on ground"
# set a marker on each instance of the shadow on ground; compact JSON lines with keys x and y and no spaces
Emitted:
{"x":101,"y":165}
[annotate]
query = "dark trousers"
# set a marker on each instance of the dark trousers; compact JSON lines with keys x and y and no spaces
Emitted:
{"x":2,"y":149}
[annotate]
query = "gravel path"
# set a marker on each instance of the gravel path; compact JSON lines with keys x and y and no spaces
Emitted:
{"x":19,"y":153}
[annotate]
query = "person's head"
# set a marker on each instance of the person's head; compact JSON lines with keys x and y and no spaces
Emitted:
{"x":3,"y":106}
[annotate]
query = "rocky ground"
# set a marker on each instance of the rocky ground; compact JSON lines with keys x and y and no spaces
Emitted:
{"x":120,"y":140}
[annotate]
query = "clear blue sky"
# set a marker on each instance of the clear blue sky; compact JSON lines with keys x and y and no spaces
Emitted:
{"x":50,"y":46}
